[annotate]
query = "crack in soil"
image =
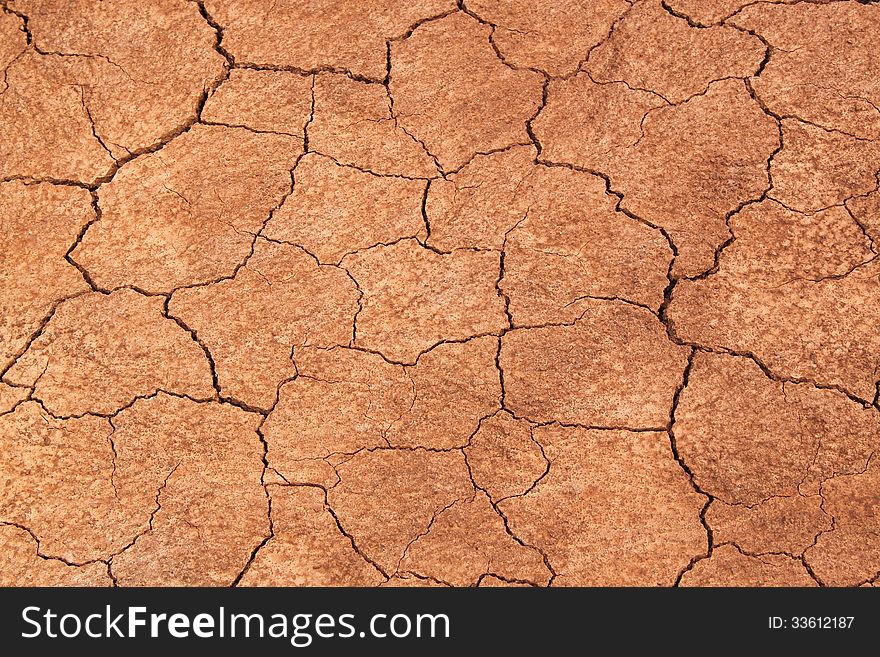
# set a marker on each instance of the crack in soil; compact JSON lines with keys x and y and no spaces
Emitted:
{"x":767,"y":104}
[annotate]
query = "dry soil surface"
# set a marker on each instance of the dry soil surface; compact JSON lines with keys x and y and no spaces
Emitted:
{"x":417,"y":292}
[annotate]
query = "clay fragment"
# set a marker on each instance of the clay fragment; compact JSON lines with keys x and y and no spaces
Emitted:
{"x":797,"y":291}
{"x":453,"y":94}
{"x":23,"y":567}
{"x":64,"y":488}
{"x":562,"y":236}
{"x":131,"y":75}
{"x":818,"y":169}
{"x":11,"y":396}
{"x":38,"y":225}
{"x":335,"y":210}
{"x":551,"y":36}
{"x":503,"y":457}
{"x":279,"y":300}
{"x":414,"y":298}
{"x":353,"y":124}
{"x":684,"y":167}
{"x":208,"y":508}
{"x":653,"y":50}
{"x":343,"y":401}
{"x":321,"y":35}
{"x":59,"y":146}
{"x":778,"y":524}
{"x":748,"y":438}
{"x":601,"y":521}
{"x":729,"y":567}
{"x":466,"y":540}
{"x":387,"y":498}
{"x":613,"y":367}
{"x":266,"y":101}
{"x":98,"y":353}
{"x":849,"y":555}
{"x":307,"y":548}
{"x":207,"y":193}
{"x":823,"y":67}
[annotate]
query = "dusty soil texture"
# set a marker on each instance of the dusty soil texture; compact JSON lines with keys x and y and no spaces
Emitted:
{"x":426,"y":292}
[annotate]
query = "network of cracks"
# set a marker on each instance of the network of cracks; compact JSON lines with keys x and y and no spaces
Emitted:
{"x":483,"y":293}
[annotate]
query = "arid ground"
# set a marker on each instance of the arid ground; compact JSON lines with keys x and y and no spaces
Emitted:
{"x":410,"y":292}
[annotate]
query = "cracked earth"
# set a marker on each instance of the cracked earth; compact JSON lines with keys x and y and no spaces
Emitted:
{"x":483,"y":293}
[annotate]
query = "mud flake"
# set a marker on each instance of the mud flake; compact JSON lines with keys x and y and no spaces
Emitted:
{"x":747,"y":438}
{"x":345,"y":400}
{"x":342,"y":401}
{"x":866,"y":210}
{"x":562,"y":237}
{"x":209,"y":508}
{"x":817,"y":169}
{"x":319,"y":35}
{"x":10,"y":396}
{"x":617,"y":117}
{"x":552,"y":36}
{"x":613,"y":367}
{"x":614,"y":510}
{"x":387,"y":498}
{"x":141,"y":68}
{"x":573,"y":244}
{"x":353,"y":124}
{"x":503,"y":458}
{"x":454,"y":385}
{"x":206,"y":195}
{"x":13,"y":40}
{"x":38,"y":224}
{"x":467,"y":540}
{"x":694,"y":164}
{"x":307,"y":548}
{"x":272,"y":101}
{"x":23,"y":567}
{"x":476,"y":206}
{"x":45,"y":132}
{"x":849,"y":554}
{"x":335,"y":210}
{"x":653,"y":50}
{"x":452,"y":93}
{"x":99,"y":352}
{"x":281,"y":299}
{"x":782,"y":292}
{"x":414,"y":298}
{"x":61,"y":485}
{"x":778,"y":524}
{"x":824,"y":64}
{"x":729,"y":567}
